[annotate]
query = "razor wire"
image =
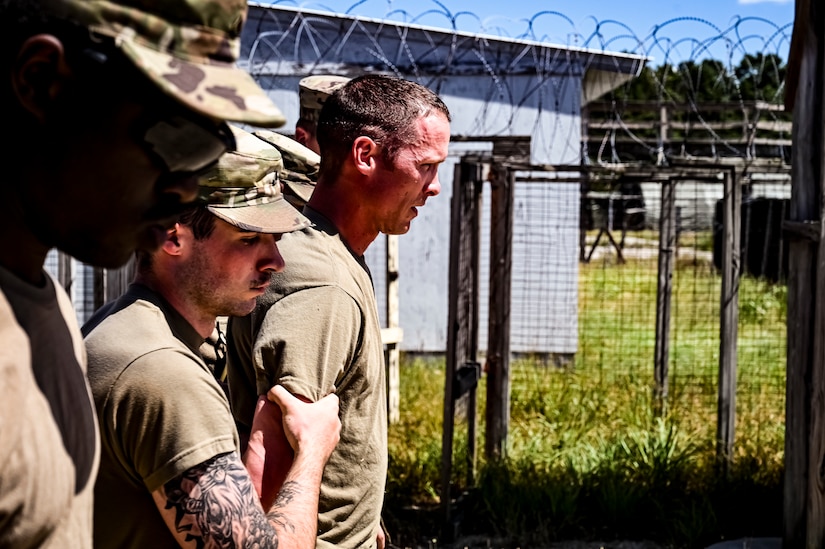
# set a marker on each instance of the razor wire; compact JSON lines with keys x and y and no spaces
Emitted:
{"x":690,"y":63}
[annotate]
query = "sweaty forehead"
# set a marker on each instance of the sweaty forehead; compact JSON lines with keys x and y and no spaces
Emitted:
{"x":433,"y":138}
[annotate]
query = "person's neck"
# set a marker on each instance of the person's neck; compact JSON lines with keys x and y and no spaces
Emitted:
{"x":202,"y":322}
{"x":346,"y":214}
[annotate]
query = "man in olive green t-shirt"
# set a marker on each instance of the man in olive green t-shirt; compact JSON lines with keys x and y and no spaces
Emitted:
{"x":316,"y":329}
{"x":171,"y":472}
{"x":110,"y":108}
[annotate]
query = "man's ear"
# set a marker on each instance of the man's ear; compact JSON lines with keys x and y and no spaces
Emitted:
{"x":39,"y":73}
{"x":177,"y":239}
{"x":364,"y":154}
{"x":302,"y":135}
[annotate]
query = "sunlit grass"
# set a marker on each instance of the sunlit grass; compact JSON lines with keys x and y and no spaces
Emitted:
{"x":586,"y":456}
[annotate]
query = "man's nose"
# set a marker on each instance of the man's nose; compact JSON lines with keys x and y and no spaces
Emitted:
{"x":272,"y":260}
{"x":434,"y":188}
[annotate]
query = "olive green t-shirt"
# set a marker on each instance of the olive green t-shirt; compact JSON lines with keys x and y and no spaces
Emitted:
{"x":49,"y":447}
{"x":316,"y":330}
{"x":160,"y":410}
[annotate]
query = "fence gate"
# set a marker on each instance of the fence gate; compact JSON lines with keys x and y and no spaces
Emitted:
{"x":462,"y":371}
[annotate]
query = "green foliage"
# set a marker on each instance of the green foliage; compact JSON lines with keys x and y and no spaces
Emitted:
{"x":708,"y":103}
{"x":586,"y":456}
{"x":767,"y":304}
{"x":415,"y":442}
{"x":761,"y":77}
{"x":582,"y":463}
{"x":757,"y":77}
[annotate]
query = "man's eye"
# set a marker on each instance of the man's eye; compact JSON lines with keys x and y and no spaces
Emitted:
{"x":250,"y":240}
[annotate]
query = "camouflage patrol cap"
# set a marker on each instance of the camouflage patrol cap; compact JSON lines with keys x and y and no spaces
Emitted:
{"x":314,"y":90}
{"x":243,"y":188}
{"x":187,"y":47}
{"x":300,"y":167}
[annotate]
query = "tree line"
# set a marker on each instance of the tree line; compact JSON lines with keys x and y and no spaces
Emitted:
{"x":713,"y":109}
{"x":757,"y":77}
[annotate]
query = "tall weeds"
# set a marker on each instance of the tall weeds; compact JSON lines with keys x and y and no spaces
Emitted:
{"x":583,"y":461}
{"x":586,"y":457}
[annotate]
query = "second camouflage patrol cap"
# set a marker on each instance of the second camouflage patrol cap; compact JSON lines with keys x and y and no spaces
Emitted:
{"x":187,"y":47}
{"x":243,"y":188}
{"x":300,"y":166}
{"x":314,"y":90}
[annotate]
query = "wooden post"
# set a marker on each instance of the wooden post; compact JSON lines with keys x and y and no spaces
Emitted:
{"x":453,"y":335}
{"x":498,"y":335}
{"x":664,"y":130}
{"x":804,"y":512}
{"x":664,"y":295}
{"x":477,"y":179}
{"x":584,"y":188}
{"x":392,"y":353}
{"x":462,"y":322}
{"x":664,"y":284}
{"x":729,"y":321}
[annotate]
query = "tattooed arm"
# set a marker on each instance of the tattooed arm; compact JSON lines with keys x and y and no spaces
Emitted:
{"x":215,"y":504}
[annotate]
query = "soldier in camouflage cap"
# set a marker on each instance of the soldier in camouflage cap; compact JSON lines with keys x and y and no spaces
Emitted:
{"x":186,"y":47}
{"x":216,"y":261}
{"x":244,"y":188}
{"x":300,"y":167}
{"x":312,"y":92}
{"x":114,"y":107}
{"x":300,"y":155}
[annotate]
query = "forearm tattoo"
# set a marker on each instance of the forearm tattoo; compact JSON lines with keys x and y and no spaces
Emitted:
{"x":285,"y":496}
{"x":216,"y":505}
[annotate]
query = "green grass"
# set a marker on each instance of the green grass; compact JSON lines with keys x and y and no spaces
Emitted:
{"x":586,"y":457}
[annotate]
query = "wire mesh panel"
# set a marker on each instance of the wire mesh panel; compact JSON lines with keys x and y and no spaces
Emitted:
{"x":88,"y":287}
{"x":545,"y":270}
{"x":616,"y":287}
{"x":78,"y":280}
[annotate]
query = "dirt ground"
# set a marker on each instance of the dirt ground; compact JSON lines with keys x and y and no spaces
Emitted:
{"x":487,"y":543}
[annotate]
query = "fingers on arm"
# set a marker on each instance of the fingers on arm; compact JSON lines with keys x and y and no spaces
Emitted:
{"x":215,"y":505}
{"x":308,"y":425}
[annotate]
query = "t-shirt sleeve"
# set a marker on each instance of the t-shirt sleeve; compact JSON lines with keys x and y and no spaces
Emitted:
{"x":306,"y":340}
{"x":15,"y":379}
{"x":165,"y":415}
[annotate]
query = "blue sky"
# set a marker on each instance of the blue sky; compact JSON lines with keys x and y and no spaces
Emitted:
{"x":683,"y":25}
